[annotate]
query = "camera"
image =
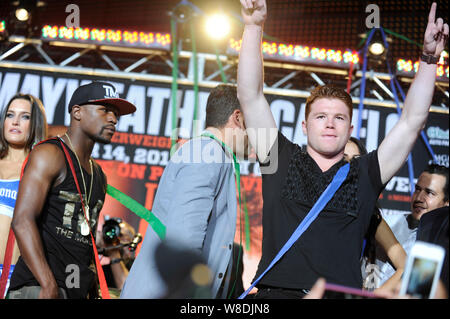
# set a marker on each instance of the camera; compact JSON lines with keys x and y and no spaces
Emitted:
{"x":111,"y":230}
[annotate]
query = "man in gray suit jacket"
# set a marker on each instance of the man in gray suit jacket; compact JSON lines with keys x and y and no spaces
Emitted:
{"x":197,"y":201}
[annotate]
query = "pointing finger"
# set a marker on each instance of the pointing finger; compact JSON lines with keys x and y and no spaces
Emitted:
{"x":432,"y":14}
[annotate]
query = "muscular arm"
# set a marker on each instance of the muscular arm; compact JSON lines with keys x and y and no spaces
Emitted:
{"x":395,"y":148}
{"x":44,"y":165}
{"x":261,"y":127}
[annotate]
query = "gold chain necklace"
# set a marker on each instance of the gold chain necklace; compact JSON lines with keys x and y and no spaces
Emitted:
{"x":85,"y":229}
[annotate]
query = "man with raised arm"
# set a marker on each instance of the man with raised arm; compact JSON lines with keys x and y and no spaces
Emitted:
{"x":331,"y":246}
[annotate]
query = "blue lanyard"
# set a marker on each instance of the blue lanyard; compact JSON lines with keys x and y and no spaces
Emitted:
{"x":337,"y":181}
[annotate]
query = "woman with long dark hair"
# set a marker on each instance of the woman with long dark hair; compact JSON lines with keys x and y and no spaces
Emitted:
{"x":22,"y":124}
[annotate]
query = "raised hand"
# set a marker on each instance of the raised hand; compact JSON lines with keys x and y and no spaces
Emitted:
{"x":436,"y":34}
{"x":254,"y":12}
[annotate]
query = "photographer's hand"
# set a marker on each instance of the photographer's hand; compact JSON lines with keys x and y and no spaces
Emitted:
{"x":118,"y":268}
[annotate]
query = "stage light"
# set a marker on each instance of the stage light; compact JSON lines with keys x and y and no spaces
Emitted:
{"x":184,"y":11}
{"x":376,"y":48}
{"x":443,"y":57}
{"x":290,"y":52}
{"x":149,"y":40}
{"x":2,"y":30}
{"x":409,"y":68}
{"x":22,"y":14}
{"x":217,"y":26}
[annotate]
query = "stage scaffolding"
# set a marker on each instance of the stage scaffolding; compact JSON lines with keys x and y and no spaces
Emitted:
{"x":152,"y":65}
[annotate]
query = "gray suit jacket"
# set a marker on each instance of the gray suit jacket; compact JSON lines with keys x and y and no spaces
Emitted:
{"x":196,"y":201}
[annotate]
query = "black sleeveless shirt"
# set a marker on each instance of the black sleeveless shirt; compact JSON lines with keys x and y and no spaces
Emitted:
{"x":68,"y":253}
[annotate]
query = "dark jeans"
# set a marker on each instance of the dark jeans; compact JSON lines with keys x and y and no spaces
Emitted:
{"x":266,"y":292}
{"x":31,"y":292}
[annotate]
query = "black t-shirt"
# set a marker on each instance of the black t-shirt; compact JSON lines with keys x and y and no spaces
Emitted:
{"x":331,"y":246}
{"x":67,"y":251}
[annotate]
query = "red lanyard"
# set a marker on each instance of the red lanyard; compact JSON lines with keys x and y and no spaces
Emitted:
{"x":101,"y":276}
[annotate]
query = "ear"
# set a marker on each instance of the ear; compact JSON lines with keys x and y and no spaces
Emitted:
{"x":350,"y":130}
{"x":76,"y":112}
{"x":237,"y":118}
{"x":304,"y":128}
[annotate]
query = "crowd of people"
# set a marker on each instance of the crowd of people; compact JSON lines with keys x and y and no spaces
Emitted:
{"x":49,"y":220}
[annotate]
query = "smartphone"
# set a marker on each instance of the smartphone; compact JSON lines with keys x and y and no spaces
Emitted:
{"x":422,"y":270}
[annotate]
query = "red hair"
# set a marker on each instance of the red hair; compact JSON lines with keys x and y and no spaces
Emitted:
{"x":329,"y":92}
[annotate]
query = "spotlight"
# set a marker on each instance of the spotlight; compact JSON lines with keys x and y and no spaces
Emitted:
{"x":25,"y":8}
{"x":376,"y":48}
{"x":184,"y":11}
{"x":22,"y":14}
{"x":217,"y":26}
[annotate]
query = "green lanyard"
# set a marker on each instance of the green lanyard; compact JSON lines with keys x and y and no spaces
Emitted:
{"x":237,"y":171}
{"x":139,"y":210}
{"x":238,"y":181}
{"x":237,"y":168}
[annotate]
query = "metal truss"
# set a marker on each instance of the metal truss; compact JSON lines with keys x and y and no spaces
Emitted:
{"x":281,"y":78}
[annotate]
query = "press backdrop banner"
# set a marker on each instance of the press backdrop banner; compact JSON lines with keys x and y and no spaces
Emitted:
{"x":135,"y":160}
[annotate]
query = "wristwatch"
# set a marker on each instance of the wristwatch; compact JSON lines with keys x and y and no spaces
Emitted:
{"x":429,"y":58}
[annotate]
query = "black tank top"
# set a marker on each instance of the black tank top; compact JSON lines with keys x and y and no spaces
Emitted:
{"x":68,"y":253}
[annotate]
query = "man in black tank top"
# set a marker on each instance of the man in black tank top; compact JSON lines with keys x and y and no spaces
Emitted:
{"x":51,"y":226}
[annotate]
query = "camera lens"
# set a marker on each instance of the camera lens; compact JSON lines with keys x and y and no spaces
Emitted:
{"x":111,"y":230}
